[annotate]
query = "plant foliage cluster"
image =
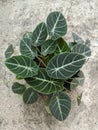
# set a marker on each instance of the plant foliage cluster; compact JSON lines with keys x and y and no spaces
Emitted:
{"x":49,"y":65}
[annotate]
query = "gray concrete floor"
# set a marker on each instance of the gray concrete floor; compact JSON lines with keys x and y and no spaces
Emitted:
{"x":19,"y":16}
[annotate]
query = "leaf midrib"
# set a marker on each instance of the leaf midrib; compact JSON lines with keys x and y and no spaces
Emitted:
{"x":58,"y":68}
{"x":55,"y":24}
{"x":25,"y":67}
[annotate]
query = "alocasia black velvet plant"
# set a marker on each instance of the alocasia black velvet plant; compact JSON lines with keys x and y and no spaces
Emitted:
{"x":49,"y":65}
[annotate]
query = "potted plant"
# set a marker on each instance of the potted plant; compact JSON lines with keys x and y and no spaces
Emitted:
{"x":49,"y":65}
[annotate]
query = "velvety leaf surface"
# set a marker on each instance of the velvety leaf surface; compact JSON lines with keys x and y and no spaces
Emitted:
{"x":26,"y":47}
{"x":22,"y":66}
{"x":30,"y":96}
{"x":18,"y":88}
{"x":42,"y":83}
{"x":60,"y":106}
{"x":48,"y":47}
{"x":82,"y":49}
{"x":56,"y":25}
{"x":39,"y":35}
{"x":65,"y":65}
{"x":62,"y":46}
{"x":77,"y":38}
{"x":9,"y":51}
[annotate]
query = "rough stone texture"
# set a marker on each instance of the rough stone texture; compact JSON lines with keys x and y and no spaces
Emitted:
{"x":19,"y":16}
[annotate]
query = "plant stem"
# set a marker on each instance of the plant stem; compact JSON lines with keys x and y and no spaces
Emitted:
{"x":41,"y":61}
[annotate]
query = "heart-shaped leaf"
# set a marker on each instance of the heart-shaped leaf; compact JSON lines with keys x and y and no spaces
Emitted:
{"x":44,"y":84}
{"x":48,"y":47}
{"x":62,"y":46}
{"x":39,"y":35}
{"x":82,"y":49}
{"x":26,"y":47}
{"x":22,"y":66}
{"x":9,"y":51}
{"x":65,"y":65}
{"x":18,"y":88}
{"x":60,"y":106}
{"x":74,"y":83}
{"x":56,"y":25}
{"x":77,"y":39}
{"x":30,"y":96}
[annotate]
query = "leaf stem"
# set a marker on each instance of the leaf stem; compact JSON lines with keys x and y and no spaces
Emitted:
{"x":41,"y":61}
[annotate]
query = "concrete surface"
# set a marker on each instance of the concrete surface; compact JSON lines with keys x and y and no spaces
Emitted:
{"x":19,"y":16}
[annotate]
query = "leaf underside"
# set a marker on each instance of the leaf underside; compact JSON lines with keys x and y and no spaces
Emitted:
{"x":60,"y":106}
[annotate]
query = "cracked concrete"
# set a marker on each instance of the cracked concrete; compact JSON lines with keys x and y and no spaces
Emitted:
{"x":19,"y":16}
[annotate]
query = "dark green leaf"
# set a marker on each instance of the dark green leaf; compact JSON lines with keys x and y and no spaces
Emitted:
{"x":18,"y":88}
{"x":48,"y":47}
{"x":72,"y":44}
{"x":65,"y":65}
{"x":39,"y":35}
{"x":9,"y":51}
{"x":62,"y":46}
{"x":56,"y":25}
{"x":87,"y":42}
{"x":26,"y":47}
{"x":77,"y":39}
{"x":22,"y":66}
{"x":30,"y":96}
{"x":44,"y":84}
{"x":60,"y":106}
{"x":82,"y":49}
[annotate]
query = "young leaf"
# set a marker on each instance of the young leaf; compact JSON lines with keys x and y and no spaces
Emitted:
{"x":48,"y":47}
{"x":65,"y":65}
{"x":30,"y":96}
{"x":81,"y":78}
{"x":72,"y":44}
{"x":62,"y":46}
{"x":56,"y":25}
{"x":60,"y":106}
{"x":44,"y":84}
{"x":26,"y":47}
{"x":77,"y":39}
{"x":79,"y":99}
{"x":87,"y":42}
{"x":22,"y":66}
{"x":18,"y":88}
{"x":9,"y":51}
{"x":39,"y":35}
{"x":82,"y":49}
{"x":74,"y":83}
